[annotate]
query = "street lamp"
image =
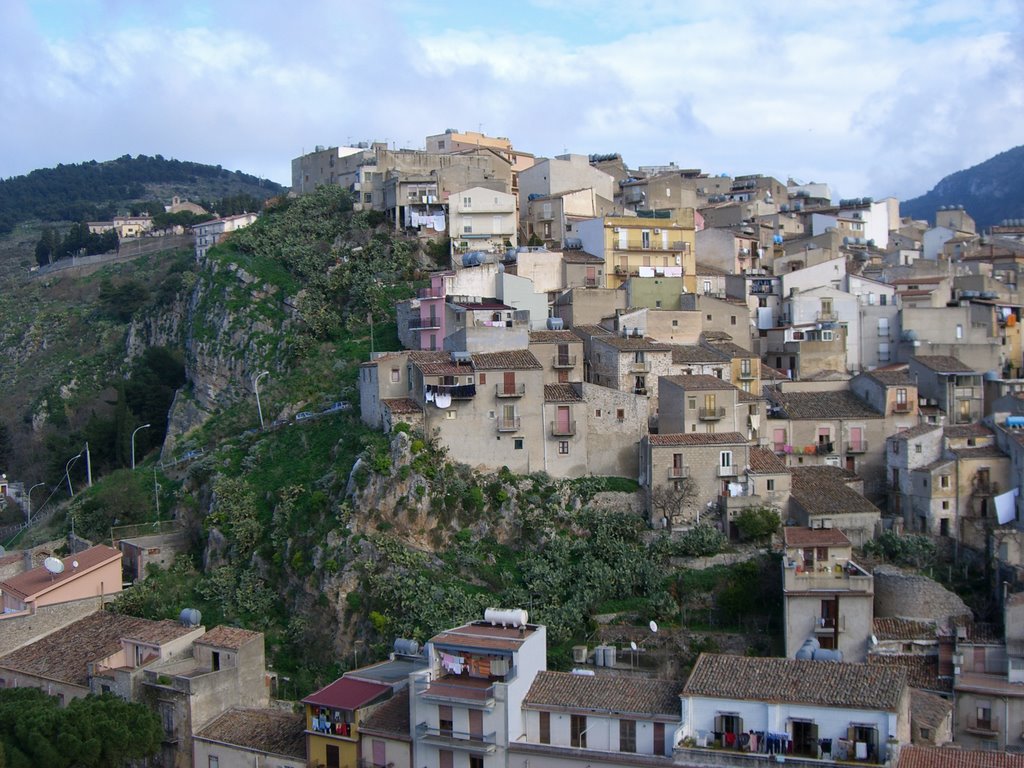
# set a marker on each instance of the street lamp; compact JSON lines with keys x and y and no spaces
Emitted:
{"x":256,"y":386}
{"x":28,"y":514}
{"x":67,"y":471}
{"x":144,"y":426}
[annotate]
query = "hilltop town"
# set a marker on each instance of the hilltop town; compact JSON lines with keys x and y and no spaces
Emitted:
{"x":795,"y":375}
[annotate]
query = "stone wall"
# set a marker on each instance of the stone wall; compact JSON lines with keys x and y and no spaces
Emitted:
{"x":911,"y":596}
{"x":17,"y":630}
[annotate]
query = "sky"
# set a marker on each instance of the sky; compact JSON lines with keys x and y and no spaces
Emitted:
{"x":874,"y":97}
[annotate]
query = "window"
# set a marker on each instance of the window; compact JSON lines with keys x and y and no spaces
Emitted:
{"x":827,"y":335}
{"x":659,"y":738}
{"x":563,"y":447}
{"x":450,"y":414}
{"x":645,"y":237}
{"x":467,"y":229}
{"x":926,"y":733}
{"x":732,"y":319}
{"x":518,"y":443}
{"x":620,"y":414}
{"x":627,"y":735}
{"x":396,"y":376}
{"x":917,"y":447}
{"x":691,"y":403}
{"x":444,"y":720}
{"x":771,"y":484}
{"x":597,"y":412}
{"x":945,"y":504}
{"x":545,"y":728}
{"x":725,"y":459}
{"x":959,"y":331}
{"x":214,"y":761}
{"x":445,"y":758}
{"x":675,"y":323}
{"x":476,"y":761}
{"x":578,"y":731}
{"x":944,"y":481}
{"x":467,"y":202}
{"x":483,"y":378}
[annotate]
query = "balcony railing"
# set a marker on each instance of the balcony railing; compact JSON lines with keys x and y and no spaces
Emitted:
{"x":857,"y":447}
{"x":827,"y":317}
{"x":826,"y":624}
{"x":590,"y":282}
{"x":563,"y":429}
{"x":424,"y":323}
{"x":564,"y":361}
{"x":747,"y":375}
{"x":639,"y":366}
{"x":985,"y":726}
{"x":456,"y":391}
{"x":509,"y":390}
{"x":474,"y":742}
{"x":728,"y":470}
{"x":430,"y":293}
{"x":509,"y":425}
{"x":902,"y":407}
{"x":711,"y":414}
{"x":823,"y":449}
{"x":677,"y":473}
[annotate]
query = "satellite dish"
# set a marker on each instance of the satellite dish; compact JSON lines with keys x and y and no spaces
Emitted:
{"x":654,"y":626}
{"x":54,"y":565}
{"x":632,"y":644}
{"x":74,"y":563}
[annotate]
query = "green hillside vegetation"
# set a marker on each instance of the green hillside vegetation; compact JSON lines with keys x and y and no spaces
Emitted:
{"x":96,"y":191}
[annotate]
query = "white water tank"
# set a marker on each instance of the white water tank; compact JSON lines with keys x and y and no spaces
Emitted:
{"x":510,"y":617}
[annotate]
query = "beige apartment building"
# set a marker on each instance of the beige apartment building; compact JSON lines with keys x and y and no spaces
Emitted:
{"x":482,"y":219}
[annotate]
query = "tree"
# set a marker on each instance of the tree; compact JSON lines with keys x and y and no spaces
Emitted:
{"x":757,"y":523}
{"x":673,"y":502}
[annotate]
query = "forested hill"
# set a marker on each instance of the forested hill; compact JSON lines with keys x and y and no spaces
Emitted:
{"x":990,"y":191}
{"x":96,"y":191}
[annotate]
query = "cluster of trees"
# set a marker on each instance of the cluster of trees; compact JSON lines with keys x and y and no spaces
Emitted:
{"x":91,"y":732}
{"x":84,"y":191}
{"x":78,"y":241}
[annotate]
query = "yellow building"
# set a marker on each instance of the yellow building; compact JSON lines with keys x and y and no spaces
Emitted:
{"x":634,"y":246}
{"x":333,"y":716}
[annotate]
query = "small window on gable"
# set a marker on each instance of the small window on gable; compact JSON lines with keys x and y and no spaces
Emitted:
{"x":620,"y":414}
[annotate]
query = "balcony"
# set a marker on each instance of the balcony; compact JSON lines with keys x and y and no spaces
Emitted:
{"x":477,"y":743}
{"x":828,"y":317}
{"x":728,"y":470}
{"x":455,"y":391}
{"x":823,"y":449}
{"x":747,"y":375}
{"x":639,"y":366}
{"x":902,"y":407}
{"x":430,"y":293}
{"x":563,"y":429}
{"x":826,"y":625}
{"x":509,"y":390}
{"x":711,"y":414}
{"x":639,"y":390}
{"x":563,"y":361}
{"x":858,"y":447}
{"x":846,"y":576}
{"x":475,"y":692}
{"x":424,"y":323}
{"x":509,"y":425}
{"x":982,"y":726}
{"x":678,"y":473}
{"x":590,"y":282}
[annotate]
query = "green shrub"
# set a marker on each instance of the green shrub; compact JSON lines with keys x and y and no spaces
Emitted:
{"x":757,"y":523}
{"x":700,"y":541}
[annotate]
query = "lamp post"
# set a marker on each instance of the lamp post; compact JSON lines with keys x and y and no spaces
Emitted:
{"x":67,"y":472}
{"x":144,"y":426}
{"x":28,"y":514}
{"x":256,"y":387}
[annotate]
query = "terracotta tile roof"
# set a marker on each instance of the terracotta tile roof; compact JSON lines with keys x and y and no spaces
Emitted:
{"x":822,"y":405}
{"x":814,"y":537}
{"x":890,"y":378}
{"x":709,"y":269}
{"x":916,"y":280}
{"x":978,"y":452}
{"x":264,"y":730}
{"x":699,"y":381}
{"x":981,"y":632}
{"x":822,"y":490}
{"x":64,"y":655}
{"x":638,"y":696}
{"x":714,"y":336}
{"x":920,"y":429}
{"x":390,"y":719}
{"x":401,"y":405}
{"x":581,"y":257}
{"x":348,"y":693}
{"x":514,"y":360}
{"x":444,"y":368}
{"x":922,"y":670}
{"x":764,"y":462}
{"x":485,"y":303}
{"x":748,"y":397}
{"x":633,"y":343}
{"x":554,"y":337}
{"x":730,"y":349}
{"x":943,"y":363}
{"x":231,"y":638}
{"x":479,"y":634}
{"x":694,"y":353}
{"x":698,"y":438}
{"x":892,"y":628}
{"x":28,"y":584}
{"x":956,"y":757}
{"x":929,"y":709}
{"x":561,"y":393}
{"x":827,"y":374}
{"x":967,"y":430}
{"x":747,"y":678}
{"x":583,"y":331}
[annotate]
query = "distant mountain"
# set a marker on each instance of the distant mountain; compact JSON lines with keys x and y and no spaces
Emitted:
{"x":990,"y":192}
{"x":95,"y":191}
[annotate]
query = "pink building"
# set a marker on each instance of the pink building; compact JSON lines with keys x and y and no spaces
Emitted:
{"x":95,"y":572}
{"x":430,"y":323}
